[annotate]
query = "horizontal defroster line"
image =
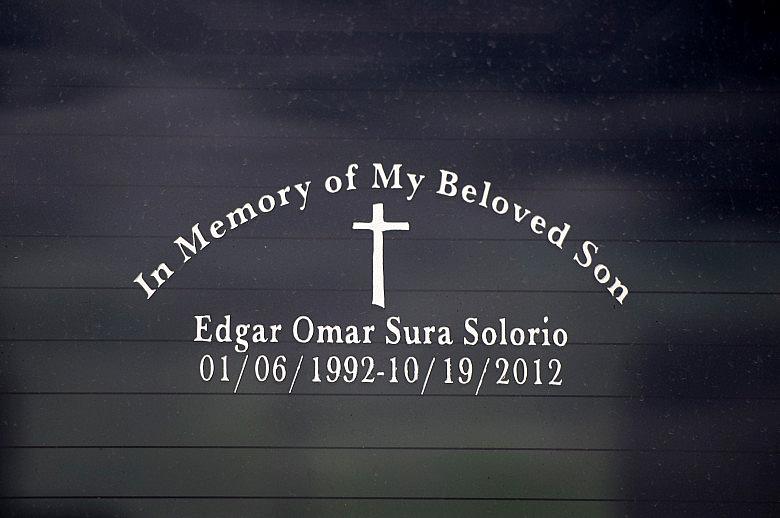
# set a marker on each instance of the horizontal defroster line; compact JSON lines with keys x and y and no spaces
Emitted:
{"x":639,"y":240}
{"x":400,"y":89}
{"x":80,"y":185}
{"x":637,"y":397}
{"x":378,"y":448}
{"x":379,"y":498}
{"x":362,"y":290}
{"x":122,"y":341}
{"x":305,"y":138}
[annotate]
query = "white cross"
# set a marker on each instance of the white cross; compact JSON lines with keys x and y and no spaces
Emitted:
{"x":378,"y":226}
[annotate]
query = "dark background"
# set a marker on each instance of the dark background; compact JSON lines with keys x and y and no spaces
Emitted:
{"x":650,"y":126}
